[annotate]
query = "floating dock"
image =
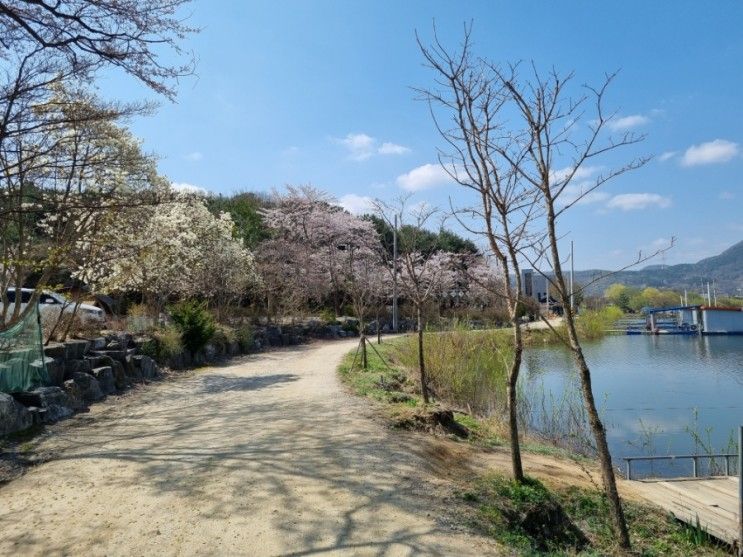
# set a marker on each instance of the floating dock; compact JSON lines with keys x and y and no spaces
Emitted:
{"x":711,"y":503}
{"x":686,"y":320}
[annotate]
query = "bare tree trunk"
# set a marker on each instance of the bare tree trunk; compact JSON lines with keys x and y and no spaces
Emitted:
{"x":421,"y":360}
{"x":364,"y":355}
{"x":379,"y":329}
{"x":513,"y":419}
{"x":597,"y":427}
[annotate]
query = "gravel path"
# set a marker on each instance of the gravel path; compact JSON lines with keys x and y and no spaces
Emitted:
{"x":267,"y":456}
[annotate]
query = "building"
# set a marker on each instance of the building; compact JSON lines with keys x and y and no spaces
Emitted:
{"x":535,"y":285}
{"x":721,"y":320}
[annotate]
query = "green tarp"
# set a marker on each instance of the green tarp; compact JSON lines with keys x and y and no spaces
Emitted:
{"x":22,"y":356}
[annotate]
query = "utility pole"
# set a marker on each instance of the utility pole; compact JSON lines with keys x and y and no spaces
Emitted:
{"x":395,"y":324}
{"x":572,"y":272}
{"x":709,"y":295}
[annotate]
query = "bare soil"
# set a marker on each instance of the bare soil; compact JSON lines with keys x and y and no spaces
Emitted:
{"x":265,"y":456}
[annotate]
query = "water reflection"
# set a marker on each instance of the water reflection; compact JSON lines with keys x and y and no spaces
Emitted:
{"x":657,"y":394}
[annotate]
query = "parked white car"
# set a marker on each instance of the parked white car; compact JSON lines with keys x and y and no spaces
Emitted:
{"x":53,"y":305}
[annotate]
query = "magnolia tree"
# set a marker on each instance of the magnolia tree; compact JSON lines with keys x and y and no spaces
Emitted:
{"x":177,"y":248}
{"x":61,"y":182}
{"x":55,"y":137}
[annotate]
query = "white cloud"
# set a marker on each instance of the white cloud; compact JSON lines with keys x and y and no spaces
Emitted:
{"x":628,"y":122}
{"x":582,"y":173}
{"x":356,"y":204}
{"x":663,"y":157}
{"x":361,"y":147}
{"x":185,"y":187}
{"x":392,"y":149}
{"x":712,"y":152}
{"x":726,"y":195}
{"x":424,"y":177}
{"x":196,"y":156}
{"x":576,"y":193}
{"x":635,"y":201}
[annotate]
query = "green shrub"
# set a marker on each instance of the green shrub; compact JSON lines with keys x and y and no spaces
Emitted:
{"x":327,"y":316}
{"x":350,"y":326}
{"x":465,"y":367}
{"x":245,"y":337}
{"x":224,"y":335}
{"x":163,"y":344}
{"x":195,"y":324}
{"x":592,"y":324}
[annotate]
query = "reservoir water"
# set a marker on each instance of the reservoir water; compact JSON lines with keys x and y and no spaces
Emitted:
{"x":656,"y":394}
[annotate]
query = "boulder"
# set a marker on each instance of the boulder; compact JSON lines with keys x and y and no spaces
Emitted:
{"x":54,"y":402}
{"x":75,"y":349}
{"x":74,"y":394}
{"x":119,"y":355}
{"x":76,"y":366}
{"x":146,"y":366}
{"x":89,"y":389}
{"x":55,"y":369}
{"x":105,"y":377}
{"x":55,"y":350}
{"x":13,"y":415}
{"x":120,"y":379}
{"x":98,"y":343}
{"x":132,"y":371}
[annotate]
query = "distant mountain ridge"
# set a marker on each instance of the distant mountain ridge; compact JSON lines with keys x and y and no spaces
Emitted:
{"x":725,"y":270}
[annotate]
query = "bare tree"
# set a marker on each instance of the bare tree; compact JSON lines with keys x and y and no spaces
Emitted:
{"x":84,"y":35}
{"x":466,"y":107}
{"x":550,"y":115}
{"x":421,"y":274}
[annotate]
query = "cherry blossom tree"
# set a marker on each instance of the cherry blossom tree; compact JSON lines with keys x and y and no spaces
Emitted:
{"x":422,"y":275}
{"x":319,"y":240}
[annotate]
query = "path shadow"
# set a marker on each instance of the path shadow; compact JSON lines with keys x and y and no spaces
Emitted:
{"x":212,"y":384}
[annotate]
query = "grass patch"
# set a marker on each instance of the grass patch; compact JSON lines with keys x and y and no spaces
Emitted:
{"x":385,"y":380}
{"x":533,"y":519}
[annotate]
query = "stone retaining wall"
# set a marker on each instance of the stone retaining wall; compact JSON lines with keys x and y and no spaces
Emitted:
{"x":80,"y":372}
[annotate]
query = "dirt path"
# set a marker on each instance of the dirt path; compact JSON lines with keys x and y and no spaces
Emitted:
{"x":268,"y":456}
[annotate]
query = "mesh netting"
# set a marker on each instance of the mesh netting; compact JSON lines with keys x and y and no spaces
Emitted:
{"x":22,"y":356}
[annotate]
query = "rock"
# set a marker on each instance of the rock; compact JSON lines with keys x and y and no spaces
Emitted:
{"x":119,"y":355}
{"x":76,"y":366}
{"x":105,"y":377}
{"x":55,"y":369}
{"x":75,"y":349}
{"x":90,"y":390}
{"x":146,"y":365}
{"x":55,"y":350}
{"x":52,"y":400}
{"x":114,"y":345}
{"x":56,"y":403}
{"x":98,"y":343}
{"x":74,"y":394}
{"x":13,"y":415}
{"x":120,"y":379}
{"x":98,"y":361}
{"x":131,"y":370}
{"x":210,"y":351}
{"x":233,"y":348}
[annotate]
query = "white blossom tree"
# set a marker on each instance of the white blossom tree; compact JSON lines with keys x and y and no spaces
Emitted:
{"x":177,"y":248}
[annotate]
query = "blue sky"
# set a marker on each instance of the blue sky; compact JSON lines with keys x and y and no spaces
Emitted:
{"x":320,"y":92}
